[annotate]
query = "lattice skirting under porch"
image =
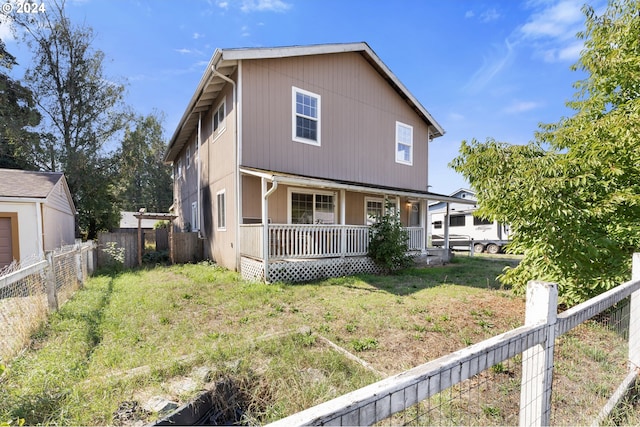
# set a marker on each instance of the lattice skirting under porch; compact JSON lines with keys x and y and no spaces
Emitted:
{"x":306,"y":270}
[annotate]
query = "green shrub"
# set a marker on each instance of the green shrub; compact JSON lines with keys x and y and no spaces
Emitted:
{"x":388,"y":243}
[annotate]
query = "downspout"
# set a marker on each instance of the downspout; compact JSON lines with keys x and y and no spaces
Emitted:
{"x":199,"y":195}
{"x":238,"y":194}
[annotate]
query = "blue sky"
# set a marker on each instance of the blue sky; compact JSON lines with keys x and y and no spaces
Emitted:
{"x":482,"y":68}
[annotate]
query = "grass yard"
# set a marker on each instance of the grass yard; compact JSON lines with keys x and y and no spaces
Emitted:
{"x":133,"y":335}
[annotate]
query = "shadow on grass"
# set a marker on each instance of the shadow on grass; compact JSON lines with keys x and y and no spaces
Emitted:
{"x":473,"y":272}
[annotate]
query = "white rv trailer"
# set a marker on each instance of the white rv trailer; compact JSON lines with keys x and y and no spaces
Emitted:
{"x":467,"y":231}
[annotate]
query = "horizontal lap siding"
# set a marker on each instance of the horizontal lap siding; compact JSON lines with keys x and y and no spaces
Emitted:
{"x":359,"y":111}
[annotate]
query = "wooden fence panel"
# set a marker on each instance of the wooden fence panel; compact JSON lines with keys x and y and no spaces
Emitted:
{"x":128,"y":240}
{"x":187,"y":247}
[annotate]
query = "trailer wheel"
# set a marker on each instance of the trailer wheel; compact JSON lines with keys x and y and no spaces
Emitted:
{"x":478,"y":248}
{"x":493,"y":248}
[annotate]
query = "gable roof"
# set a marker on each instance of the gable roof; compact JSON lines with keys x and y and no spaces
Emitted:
{"x":224,"y":63}
{"x":27,"y":184}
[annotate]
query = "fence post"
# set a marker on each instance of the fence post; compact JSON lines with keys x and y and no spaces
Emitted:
{"x":634,"y":317}
{"x":79,"y":272}
{"x":52,"y":295}
{"x":537,"y":361}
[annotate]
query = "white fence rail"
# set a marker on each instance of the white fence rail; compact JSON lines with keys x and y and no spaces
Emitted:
{"x":29,"y":294}
{"x":535,"y":343}
{"x":291,"y":241}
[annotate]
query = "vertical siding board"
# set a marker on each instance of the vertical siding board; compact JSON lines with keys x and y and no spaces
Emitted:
{"x":359,"y":110}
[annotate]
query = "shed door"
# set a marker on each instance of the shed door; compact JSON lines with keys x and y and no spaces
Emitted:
{"x":6,"y":250}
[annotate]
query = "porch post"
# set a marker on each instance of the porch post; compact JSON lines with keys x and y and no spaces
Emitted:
{"x":343,"y":216}
{"x":446,"y":229}
{"x":424,"y":205}
{"x":265,"y":228}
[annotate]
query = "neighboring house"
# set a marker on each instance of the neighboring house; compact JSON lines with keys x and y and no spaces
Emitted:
{"x":284,"y":157}
{"x":462,"y":228}
{"x":37,"y":214}
{"x":129,"y":222}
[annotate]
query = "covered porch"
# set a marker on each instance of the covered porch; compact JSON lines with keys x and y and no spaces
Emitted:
{"x":297,"y":228}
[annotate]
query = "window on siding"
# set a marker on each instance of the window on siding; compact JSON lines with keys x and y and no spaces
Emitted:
{"x":222,"y":210}
{"x":311,"y":208}
{"x":188,"y":157}
{"x":219,"y":122}
{"x":178,"y":169}
{"x":195,"y":224}
{"x":404,"y":144}
{"x":457,"y":220}
{"x":306,"y":117}
{"x":373,"y":210}
{"x":437,"y":225}
{"x":481,"y":221}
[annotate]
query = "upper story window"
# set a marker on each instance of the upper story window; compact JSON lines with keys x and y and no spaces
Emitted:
{"x":404,"y":144}
{"x":188,"y":156}
{"x":306,"y":116}
{"x":219,"y":122}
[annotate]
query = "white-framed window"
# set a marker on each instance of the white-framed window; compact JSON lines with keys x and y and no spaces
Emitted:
{"x":221,"y":202}
{"x":312,"y":207}
{"x":373,"y":209}
{"x":404,"y":144}
{"x":219,"y":118}
{"x":188,"y":156}
{"x":195,"y":224}
{"x":178,"y":171}
{"x":306,"y":116}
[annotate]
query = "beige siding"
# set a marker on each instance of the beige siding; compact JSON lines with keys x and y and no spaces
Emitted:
{"x":217,"y":155}
{"x":58,"y":219}
{"x":359,"y":110}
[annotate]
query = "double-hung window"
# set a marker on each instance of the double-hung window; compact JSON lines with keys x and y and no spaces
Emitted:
{"x":195,"y":224}
{"x":219,"y":122}
{"x":374,"y":209}
{"x":306,"y":116}
{"x":404,"y":144}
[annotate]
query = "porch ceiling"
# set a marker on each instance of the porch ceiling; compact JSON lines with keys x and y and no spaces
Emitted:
{"x":307,"y":181}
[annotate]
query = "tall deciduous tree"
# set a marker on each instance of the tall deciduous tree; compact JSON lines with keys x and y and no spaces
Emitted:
{"x":83,"y":110}
{"x":572,"y":197}
{"x":18,"y":115}
{"x":144,"y":181}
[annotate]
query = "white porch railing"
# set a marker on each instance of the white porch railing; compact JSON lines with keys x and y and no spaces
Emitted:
{"x":289,"y":241}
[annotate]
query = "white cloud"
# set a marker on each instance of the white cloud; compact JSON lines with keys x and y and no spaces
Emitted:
{"x":197,"y":36}
{"x":245,"y":31}
{"x":469,"y":14}
{"x":551,"y":30}
{"x":183,"y":51}
{"x":489,"y":15}
{"x":264,"y":6}
{"x":223,"y":5}
{"x":521,"y":107}
{"x":493,"y":64}
{"x":6,"y":32}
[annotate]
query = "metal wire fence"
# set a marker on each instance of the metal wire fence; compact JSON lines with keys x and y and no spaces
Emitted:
{"x":30,"y":290}
{"x":573,"y":368}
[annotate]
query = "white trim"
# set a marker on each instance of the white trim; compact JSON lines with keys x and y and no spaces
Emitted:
{"x":410,"y":144}
{"x":314,"y":192}
{"x":294,"y":115}
{"x":222,"y":193}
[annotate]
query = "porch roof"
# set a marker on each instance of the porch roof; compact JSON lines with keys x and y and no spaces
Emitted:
{"x":308,"y":181}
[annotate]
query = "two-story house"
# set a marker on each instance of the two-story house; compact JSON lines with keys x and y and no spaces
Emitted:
{"x":284,"y":156}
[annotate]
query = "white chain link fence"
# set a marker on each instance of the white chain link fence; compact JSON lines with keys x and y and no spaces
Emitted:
{"x":33,"y":288}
